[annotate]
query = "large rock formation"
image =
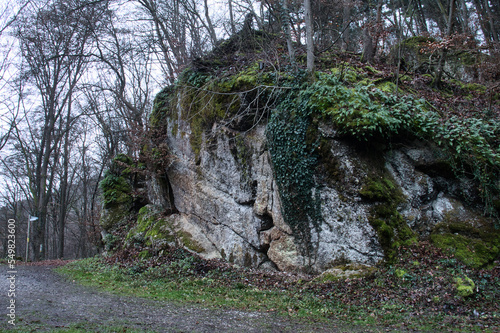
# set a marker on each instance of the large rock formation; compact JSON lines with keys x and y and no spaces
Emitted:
{"x":220,"y":196}
{"x":228,"y":202}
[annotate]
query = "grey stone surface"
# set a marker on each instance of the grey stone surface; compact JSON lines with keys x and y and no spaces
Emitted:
{"x":227,"y":199}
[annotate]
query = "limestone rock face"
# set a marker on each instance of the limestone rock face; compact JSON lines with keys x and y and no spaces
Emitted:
{"x":228,"y":195}
{"x":227,"y":204}
{"x":433,"y":193}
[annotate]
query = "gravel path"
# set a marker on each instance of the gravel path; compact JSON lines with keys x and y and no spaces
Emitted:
{"x":45,"y":300}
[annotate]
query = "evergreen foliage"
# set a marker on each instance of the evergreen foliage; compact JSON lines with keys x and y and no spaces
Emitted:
{"x":363,"y":112}
{"x":294,"y":160}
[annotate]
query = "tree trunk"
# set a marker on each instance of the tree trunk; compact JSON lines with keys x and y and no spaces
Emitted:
{"x":346,"y":20}
{"x":491,"y":21}
{"x":483,"y":22}
{"x":368,"y":48}
{"x":285,"y":20}
{"x":465,"y":17}
{"x":309,"y":36}
{"x":231,"y":17}
{"x":421,"y":19}
{"x":211,"y":29}
{"x":63,"y":208}
{"x":378,"y":27}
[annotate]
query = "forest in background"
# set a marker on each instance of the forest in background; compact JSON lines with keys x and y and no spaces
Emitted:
{"x":78,"y":78}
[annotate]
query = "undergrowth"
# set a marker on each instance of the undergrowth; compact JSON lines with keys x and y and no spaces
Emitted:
{"x":418,"y":292}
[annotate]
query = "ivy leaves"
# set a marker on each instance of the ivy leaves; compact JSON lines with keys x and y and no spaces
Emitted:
{"x":294,"y":162}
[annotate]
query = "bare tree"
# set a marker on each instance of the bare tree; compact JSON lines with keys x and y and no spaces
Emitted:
{"x":181,"y":31}
{"x":54,"y":41}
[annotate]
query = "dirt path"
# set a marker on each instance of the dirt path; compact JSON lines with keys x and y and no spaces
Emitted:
{"x":45,"y":301}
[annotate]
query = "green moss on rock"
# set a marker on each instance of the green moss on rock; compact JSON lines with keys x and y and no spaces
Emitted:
{"x":117,"y":192}
{"x":116,"y":186}
{"x":472,"y":252}
{"x":389,"y":224}
{"x":475,"y":247}
{"x":203,"y":99}
{"x":412,"y":52}
{"x":379,"y":189}
{"x":151,"y":229}
{"x":350,"y":74}
{"x":190,"y":243}
{"x":465,"y":287}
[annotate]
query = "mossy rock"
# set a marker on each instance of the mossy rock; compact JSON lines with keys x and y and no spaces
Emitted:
{"x":329,"y":166}
{"x":372,"y":70}
{"x":464,"y":286}
{"x":388,"y":87}
{"x":118,"y":193}
{"x":411,"y":50}
{"x":379,"y":189}
{"x":116,"y":186}
{"x":204,"y":100}
{"x":114,"y":217}
{"x":110,"y":242}
{"x":391,"y":228}
{"x":470,"y":87}
{"x":116,"y":190}
{"x":151,"y":230}
{"x":348,"y":73}
{"x":161,"y":108}
{"x":122,"y":192}
{"x":342,"y":272}
{"x":471,"y":251}
{"x":189,"y":242}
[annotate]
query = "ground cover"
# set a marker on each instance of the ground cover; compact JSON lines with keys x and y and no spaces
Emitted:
{"x":426,"y":289}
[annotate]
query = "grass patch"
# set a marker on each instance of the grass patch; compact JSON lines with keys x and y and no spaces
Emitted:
{"x":424,"y":298}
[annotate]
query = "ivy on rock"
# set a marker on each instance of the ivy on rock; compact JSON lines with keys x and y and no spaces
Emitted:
{"x":294,"y":160}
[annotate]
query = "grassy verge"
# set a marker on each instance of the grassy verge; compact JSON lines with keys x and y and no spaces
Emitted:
{"x":420,"y":292}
